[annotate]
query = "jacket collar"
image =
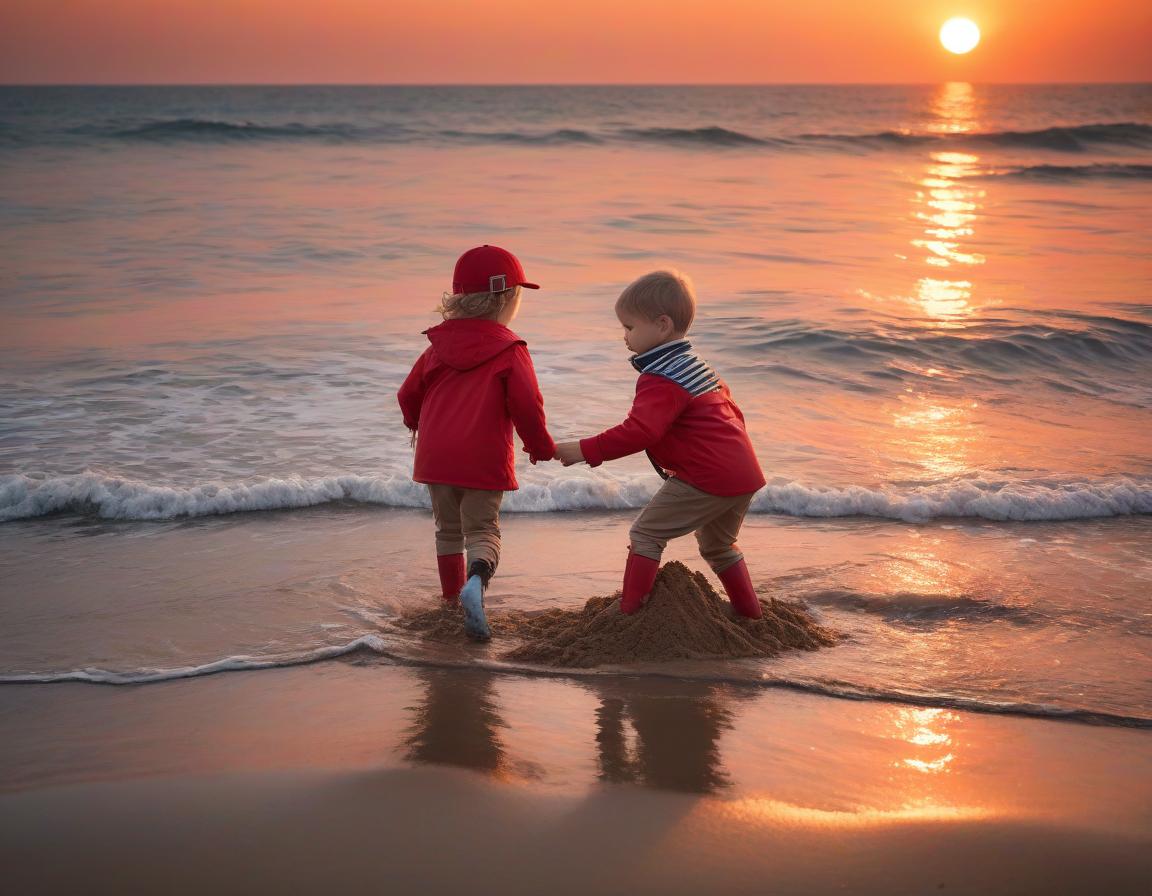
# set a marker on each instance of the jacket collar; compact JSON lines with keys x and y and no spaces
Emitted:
{"x":665,"y":350}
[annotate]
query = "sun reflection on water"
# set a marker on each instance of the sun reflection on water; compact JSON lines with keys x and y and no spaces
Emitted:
{"x":935,"y":433}
{"x":926,"y":730}
{"x":952,"y":208}
{"x":946,"y":209}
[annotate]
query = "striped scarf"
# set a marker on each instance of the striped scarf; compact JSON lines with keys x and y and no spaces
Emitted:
{"x":677,"y":362}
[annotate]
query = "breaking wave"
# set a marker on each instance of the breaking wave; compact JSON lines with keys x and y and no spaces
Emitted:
{"x":24,"y":496}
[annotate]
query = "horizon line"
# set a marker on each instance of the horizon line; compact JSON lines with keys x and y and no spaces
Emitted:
{"x":573,"y":83}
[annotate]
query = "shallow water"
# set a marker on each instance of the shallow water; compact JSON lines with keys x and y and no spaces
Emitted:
{"x":931,"y":303}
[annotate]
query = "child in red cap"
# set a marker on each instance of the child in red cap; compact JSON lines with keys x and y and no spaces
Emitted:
{"x":684,"y":417}
{"x":465,"y":393}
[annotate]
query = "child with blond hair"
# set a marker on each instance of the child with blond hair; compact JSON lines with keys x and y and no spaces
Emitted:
{"x":461,"y":401}
{"x":684,"y":417}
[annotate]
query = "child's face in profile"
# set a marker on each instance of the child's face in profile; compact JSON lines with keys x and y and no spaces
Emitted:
{"x":641,"y":334}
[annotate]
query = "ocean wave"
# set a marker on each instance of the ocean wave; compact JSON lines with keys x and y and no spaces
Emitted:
{"x":1064,"y":173}
{"x":375,"y":645}
{"x":1066,"y":139}
{"x":1000,"y":500}
{"x":213,"y":130}
{"x":30,"y":496}
{"x":1074,"y":138}
{"x":1091,"y":354}
{"x":544,"y":138}
{"x":1070,"y":139}
{"x":702,"y":136}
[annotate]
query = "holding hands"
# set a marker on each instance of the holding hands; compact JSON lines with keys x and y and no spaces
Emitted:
{"x":569,"y":453}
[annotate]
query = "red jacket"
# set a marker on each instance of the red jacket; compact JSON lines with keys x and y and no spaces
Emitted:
{"x":701,"y":440}
{"x":464,"y":395}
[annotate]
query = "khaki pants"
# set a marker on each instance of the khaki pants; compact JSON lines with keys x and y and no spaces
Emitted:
{"x":679,"y":508}
{"x":467,"y":518}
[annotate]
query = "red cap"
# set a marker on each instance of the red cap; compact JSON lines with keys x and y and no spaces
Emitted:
{"x":488,"y":269}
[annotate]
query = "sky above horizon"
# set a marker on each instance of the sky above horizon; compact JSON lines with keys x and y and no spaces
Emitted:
{"x":595,"y":41}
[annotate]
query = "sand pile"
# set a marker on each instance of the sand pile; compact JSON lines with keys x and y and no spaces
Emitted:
{"x":684,"y":619}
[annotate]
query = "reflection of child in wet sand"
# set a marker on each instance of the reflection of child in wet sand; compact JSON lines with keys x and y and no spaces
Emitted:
{"x":458,"y":721}
{"x":684,"y":417}
{"x":464,"y":395}
{"x":677,"y":744}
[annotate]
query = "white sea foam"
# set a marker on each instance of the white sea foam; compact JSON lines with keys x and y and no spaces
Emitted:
{"x":373,"y":643}
{"x":24,"y":496}
{"x":377,"y":645}
{"x":1068,"y":499}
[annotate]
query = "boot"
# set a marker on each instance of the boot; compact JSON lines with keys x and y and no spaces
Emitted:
{"x":451,"y":568}
{"x":639,"y":575}
{"x":472,"y":599}
{"x":738,"y":584}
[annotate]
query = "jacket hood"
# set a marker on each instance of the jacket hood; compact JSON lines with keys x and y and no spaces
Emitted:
{"x":465,"y":343}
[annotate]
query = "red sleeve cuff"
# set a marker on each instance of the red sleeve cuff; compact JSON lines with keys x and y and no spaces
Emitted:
{"x":541,"y":455}
{"x":590,"y":448}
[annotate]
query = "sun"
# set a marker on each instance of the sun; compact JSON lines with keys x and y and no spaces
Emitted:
{"x":959,"y":36}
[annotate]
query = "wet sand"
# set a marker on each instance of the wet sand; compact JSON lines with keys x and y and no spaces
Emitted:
{"x":369,"y":774}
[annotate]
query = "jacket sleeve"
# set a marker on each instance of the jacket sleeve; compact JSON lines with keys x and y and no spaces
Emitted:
{"x":411,"y":394}
{"x":657,"y":404}
{"x":526,"y":407}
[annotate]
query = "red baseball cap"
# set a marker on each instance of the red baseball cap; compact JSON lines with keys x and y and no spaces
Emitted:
{"x":488,"y":269}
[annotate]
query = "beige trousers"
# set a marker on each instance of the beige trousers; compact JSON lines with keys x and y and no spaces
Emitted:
{"x":679,"y":508}
{"x":467,"y":518}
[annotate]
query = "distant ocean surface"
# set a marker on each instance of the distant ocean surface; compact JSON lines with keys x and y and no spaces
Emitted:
{"x":933,"y":303}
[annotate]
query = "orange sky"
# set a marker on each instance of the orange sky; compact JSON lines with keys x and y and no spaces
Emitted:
{"x":590,"y":41}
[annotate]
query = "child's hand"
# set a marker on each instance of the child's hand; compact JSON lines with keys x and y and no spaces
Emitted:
{"x":536,"y":459}
{"x":569,"y":453}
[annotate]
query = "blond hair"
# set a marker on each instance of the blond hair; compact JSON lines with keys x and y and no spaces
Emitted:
{"x":476,"y":304}
{"x":660,"y":293}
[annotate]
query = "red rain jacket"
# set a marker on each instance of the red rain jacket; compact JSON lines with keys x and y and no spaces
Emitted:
{"x":464,"y":395}
{"x":701,"y":440}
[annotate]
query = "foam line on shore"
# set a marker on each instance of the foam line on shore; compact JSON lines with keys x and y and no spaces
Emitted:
{"x":376,"y":645}
{"x":371,"y":643}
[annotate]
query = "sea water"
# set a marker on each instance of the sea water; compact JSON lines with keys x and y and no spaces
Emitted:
{"x":931,"y":303}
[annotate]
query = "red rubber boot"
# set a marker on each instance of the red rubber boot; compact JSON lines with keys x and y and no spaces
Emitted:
{"x":639,"y":574}
{"x":451,"y":568}
{"x":738,"y":584}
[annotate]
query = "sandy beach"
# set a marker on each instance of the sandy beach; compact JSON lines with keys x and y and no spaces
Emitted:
{"x":929,"y":301}
{"x":367,"y":774}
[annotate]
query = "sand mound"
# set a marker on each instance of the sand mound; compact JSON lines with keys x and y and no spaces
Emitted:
{"x":684,"y":619}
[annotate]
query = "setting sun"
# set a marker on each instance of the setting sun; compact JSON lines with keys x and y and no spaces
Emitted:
{"x":959,"y":35}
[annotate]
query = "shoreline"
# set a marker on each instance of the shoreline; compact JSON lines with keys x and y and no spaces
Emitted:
{"x":362,"y":653}
{"x":286,"y":588}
